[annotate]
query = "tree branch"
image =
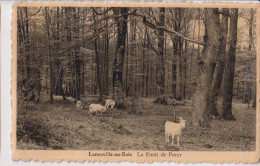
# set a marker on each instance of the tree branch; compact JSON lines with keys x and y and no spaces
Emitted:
{"x":85,"y":41}
{"x":33,"y":15}
{"x":104,"y":12}
{"x":151,"y":25}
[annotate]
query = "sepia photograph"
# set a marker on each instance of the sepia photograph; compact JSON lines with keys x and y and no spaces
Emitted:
{"x":104,"y":78}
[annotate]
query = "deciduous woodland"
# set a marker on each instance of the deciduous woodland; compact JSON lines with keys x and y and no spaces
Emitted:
{"x":157,"y":64}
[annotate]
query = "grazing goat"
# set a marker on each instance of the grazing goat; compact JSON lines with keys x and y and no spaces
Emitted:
{"x":95,"y":108}
{"x":110,"y":103}
{"x":174,"y":129}
{"x":79,"y":105}
{"x":71,"y":99}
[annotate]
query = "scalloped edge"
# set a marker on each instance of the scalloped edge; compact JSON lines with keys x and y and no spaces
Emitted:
{"x":81,"y":156}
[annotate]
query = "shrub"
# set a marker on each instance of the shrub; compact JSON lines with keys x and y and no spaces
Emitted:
{"x":31,"y":129}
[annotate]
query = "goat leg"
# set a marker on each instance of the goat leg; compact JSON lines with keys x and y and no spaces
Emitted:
{"x":166,"y":138}
{"x":178,"y":140}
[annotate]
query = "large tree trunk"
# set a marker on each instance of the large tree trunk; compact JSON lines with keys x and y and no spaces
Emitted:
{"x":230,"y":68}
{"x":160,"y":63}
{"x":206,"y":68}
{"x":220,"y":63}
{"x":121,"y":21}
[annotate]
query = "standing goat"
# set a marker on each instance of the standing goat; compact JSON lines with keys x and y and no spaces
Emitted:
{"x":79,"y":105}
{"x":95,"y":108}
{"x":110,"y":103}
{"x":174,"y":129}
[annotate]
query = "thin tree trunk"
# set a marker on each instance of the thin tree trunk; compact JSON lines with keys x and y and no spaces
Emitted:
{"x":28,"y":69}
{"x":160,"y":63}
{"x":98,"y":66}
{"x":174,"y":76}
{"x":178,"y":51}
{"x":184,"y":72}
{"x":83,"y":57}
{"x":106,"y":57}
{"x":47,"y":19}
{"x":199,"y":20}
{"x":126,"y":86}
{"x":178,"y":74}
{"x":251,"y":19}
{"x":76,"y":53}
{"x":46,"y":80}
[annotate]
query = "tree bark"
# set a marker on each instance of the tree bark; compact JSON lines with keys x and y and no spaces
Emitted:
{"x":220,"y":63}
{"x":184,"y":70}
{"x":83,"y":57}
{"x":206,"y":68}
{"x":251,"y":19}
{"x":98,"y":66}
{"x":76,"y":52}
{"x":47,"y":19}
{"x":121,"y":21}
{"x":106,"y":60}
{"x":230,"y":68}
{"x":178,"y":51}
{"x":160,"y":64}
{"x":28,"y":69}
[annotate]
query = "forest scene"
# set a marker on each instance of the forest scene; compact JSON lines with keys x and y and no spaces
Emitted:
{"x":121,"y":78}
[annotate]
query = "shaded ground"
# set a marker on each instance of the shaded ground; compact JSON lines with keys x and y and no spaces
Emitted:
{"x":60,"y":126}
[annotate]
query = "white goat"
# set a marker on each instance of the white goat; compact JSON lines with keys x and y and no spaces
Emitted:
{"x":95,"y":108}
{"x":174,"y":129}
{"x":110,"y":103}
{"x":79,"y":105}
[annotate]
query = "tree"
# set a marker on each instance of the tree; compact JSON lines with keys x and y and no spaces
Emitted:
{"x":97,"y":59}
{"x":160,"y":63}
{"x":252,"y":13}
{"x":249,"y":17}
{"x":177,"y":47}
{"x":207,"y":64}
{"x":76,"y":51}
{"x":121,"y":21}
{"x":230,"y":68}
{"x":180,"y":23}
{"x":220,"y":63}
{"x":106,"y":46}
{"x":47,"y":21}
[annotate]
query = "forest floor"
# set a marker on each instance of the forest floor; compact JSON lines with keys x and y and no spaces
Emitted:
{"x":59,"y":125}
